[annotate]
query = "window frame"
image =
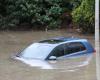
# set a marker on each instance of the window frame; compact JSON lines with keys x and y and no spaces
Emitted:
{"x":63,"y":46}
{"x":52,"y":52}
{"x":76,"y":51}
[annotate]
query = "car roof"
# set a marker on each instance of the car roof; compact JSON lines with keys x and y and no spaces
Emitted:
{"x":66,"y":38}
{"x":53,"y":42}
{"x":57,"y":40}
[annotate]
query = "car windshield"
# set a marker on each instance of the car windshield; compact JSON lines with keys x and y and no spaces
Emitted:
{"x":36,"y":51}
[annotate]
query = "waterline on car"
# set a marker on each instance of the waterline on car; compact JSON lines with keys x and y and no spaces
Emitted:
{"x":69,"y":66}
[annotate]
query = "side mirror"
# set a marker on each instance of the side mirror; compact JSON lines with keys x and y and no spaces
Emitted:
{"x":52,"y":58}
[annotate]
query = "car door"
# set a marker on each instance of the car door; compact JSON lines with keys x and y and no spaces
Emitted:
{"x":68,"y":55}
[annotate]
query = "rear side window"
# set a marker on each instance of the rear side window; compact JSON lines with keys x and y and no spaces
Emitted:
{"x":67,"y":48}
{"x":74,"y":47}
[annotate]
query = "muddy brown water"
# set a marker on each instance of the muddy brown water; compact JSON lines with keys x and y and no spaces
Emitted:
{"x":13,"y":42}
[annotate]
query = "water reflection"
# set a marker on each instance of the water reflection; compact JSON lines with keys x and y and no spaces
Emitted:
{"x":13,"y":42}
{"x":36,"y":63}
{"x":70,"y":64}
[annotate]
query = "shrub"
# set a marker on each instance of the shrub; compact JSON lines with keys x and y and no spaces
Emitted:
{"x":84,"y":16}
{"x":44,"y":12}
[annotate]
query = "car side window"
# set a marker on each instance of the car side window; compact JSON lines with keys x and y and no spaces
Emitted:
{"x":73,"y":47}
{"x":58,"y":51}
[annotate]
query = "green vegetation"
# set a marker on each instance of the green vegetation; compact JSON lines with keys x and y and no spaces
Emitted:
{"x":84,"y":16}
{"x":42,"y":14}
{"x":34,"y":12}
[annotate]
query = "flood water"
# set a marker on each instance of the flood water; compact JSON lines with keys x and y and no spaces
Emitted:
{"x":13,"y":42}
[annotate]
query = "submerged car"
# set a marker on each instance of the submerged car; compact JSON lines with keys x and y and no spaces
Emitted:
{"x":57,"y":49}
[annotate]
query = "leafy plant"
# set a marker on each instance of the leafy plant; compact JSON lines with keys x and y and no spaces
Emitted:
{"x":44,"y":12}
{"x":84,"y":16}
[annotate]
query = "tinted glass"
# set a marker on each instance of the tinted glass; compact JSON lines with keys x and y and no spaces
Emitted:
{"x":68,"y":48}
{"x":74,"y":47}
{"x":58,"y":51}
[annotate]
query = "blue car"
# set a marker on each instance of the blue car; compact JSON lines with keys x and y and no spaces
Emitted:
{"x":57,"y":49}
